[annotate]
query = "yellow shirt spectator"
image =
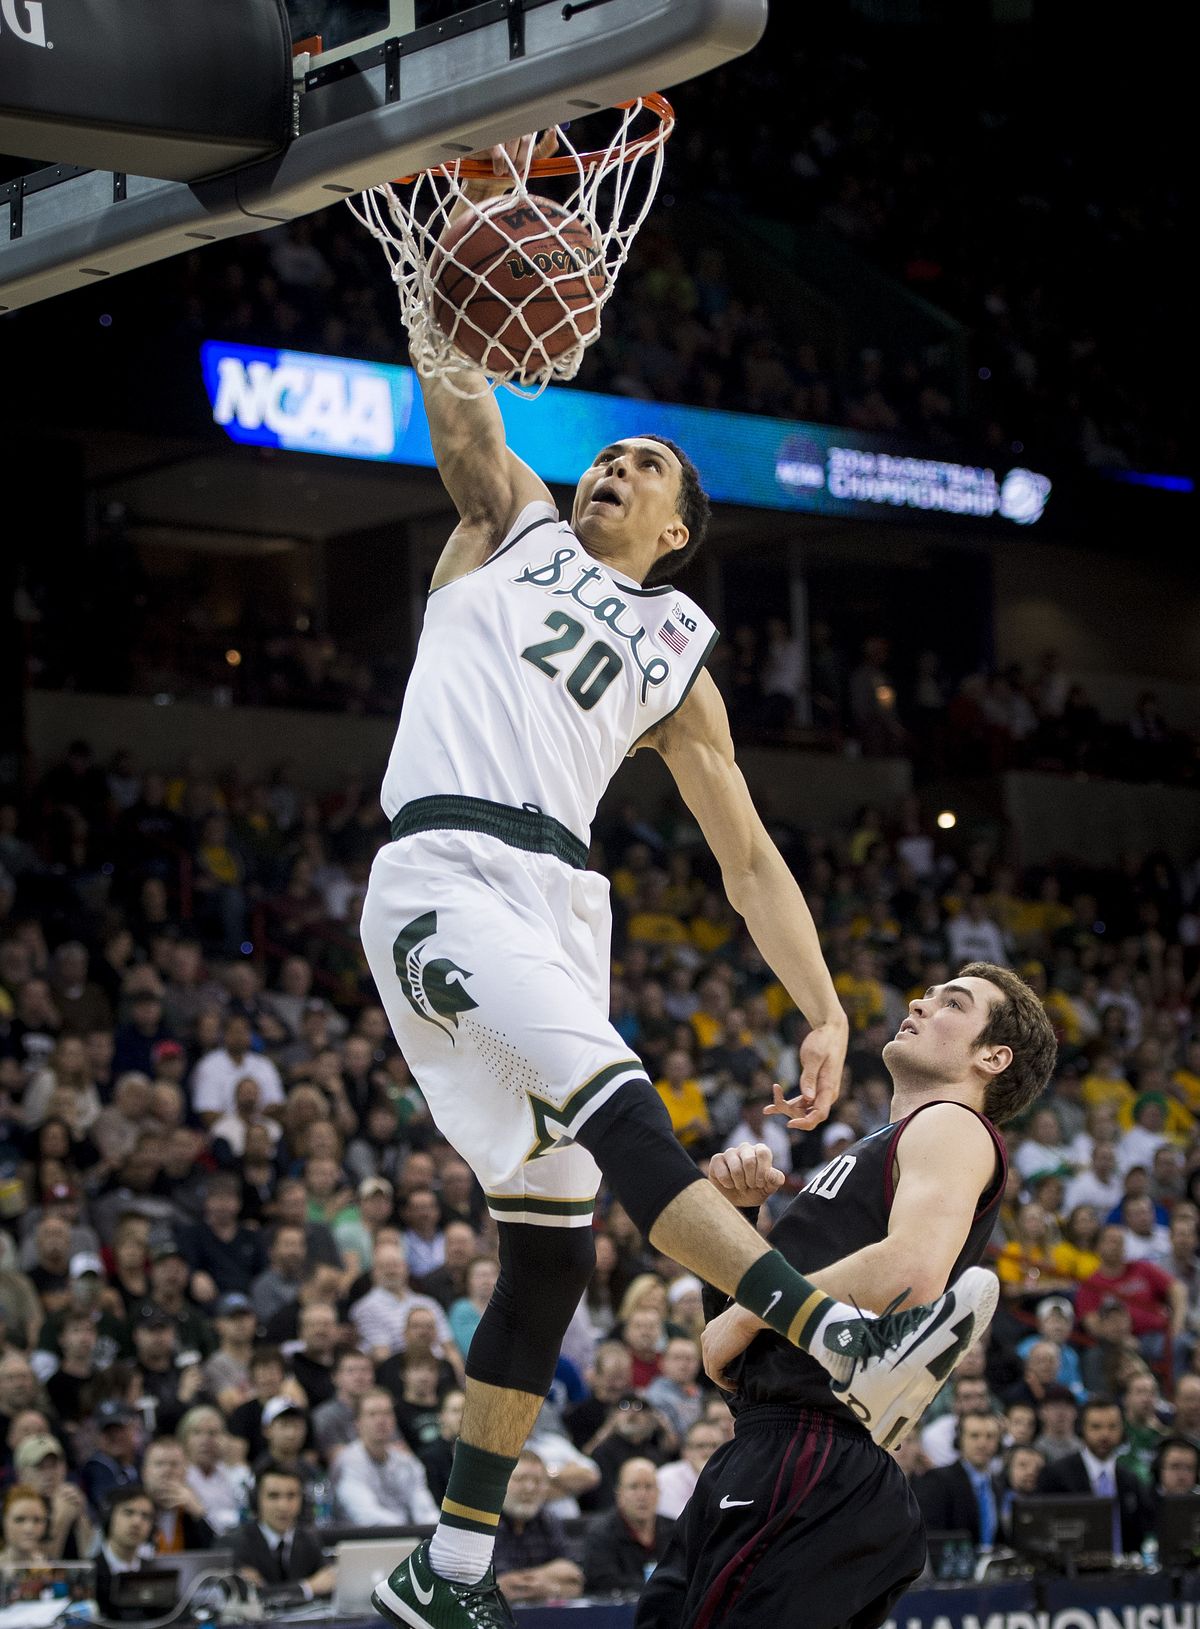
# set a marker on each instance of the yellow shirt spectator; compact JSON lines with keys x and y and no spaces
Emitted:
{"x":656,"y":928}
{"x":1097,"y":1090}
{"x":1036,"y":1265}
{"x":687,"y":1108}
{"x":862,"y":998}
{"x":1060,"y":1010}
{"x":1188,"y":1084}
{"x":709,"y":936}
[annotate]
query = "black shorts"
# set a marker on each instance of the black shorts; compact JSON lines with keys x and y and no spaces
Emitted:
{"x":799,"y":1519}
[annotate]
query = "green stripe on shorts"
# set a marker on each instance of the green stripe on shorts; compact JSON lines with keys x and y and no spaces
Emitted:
{"x":540,"y":1207}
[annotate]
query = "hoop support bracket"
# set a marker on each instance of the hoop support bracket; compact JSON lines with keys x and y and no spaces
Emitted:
{"x":516,"y":29}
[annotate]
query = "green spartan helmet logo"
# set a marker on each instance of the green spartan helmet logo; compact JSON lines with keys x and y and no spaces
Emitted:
{"x":433,"y":989}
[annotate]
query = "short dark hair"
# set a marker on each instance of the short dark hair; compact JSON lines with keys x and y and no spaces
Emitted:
{"x":694,"y":511}
{"x":1018,"y":1021}
{"x":124,"y":1494}
{"x":1165,"y":1447}
{"x":1093,"y":1405}
{"x":273,"y":1468}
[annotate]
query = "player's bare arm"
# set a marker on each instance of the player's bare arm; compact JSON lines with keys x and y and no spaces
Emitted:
{"x":945,"y":1160}
{"x":696,"y":746}
{"x":488,"y":484}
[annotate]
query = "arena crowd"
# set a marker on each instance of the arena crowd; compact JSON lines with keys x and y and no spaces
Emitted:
{"x":233,"y":1247}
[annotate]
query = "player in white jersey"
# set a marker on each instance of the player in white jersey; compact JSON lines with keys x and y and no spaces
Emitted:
{"x":549,"y":653}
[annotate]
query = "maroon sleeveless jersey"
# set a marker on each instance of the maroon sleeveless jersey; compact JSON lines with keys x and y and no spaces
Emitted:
{"x":844,"y":1208}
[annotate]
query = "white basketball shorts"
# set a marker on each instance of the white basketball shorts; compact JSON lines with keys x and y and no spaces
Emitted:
{"x":493,"y":967}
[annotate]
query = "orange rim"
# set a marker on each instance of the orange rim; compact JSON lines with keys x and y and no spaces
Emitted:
{"x":480,"y":169}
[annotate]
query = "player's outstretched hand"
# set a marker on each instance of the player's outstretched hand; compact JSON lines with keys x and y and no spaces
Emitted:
{"x":822,"y":1058}
{"x":725,"y":1339}
{"x":510,"y":160}
{"x":745,"y":1174}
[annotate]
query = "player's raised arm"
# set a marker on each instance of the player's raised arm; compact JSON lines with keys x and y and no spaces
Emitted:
{"x":488,"y":484}
{"x":697,"y":748}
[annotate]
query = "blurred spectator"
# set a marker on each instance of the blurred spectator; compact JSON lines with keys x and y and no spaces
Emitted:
{"x":378,"y":1483}
{"x":115,"y":1461}
{"x":623,"y":1547}
{"x":1157,"y":1304}
{"x":1022,"y":1468}
{"x":276,"y":1548}
{"x":1146,"y":1424}
{"x":221,"y":1492}
{"x":215,"y":1078}
{"x":969,"y":1395}
{"x":678,"y":1478}
{"x":381,"y":1314}
{"x":1185,"y":1422}
{"x":963,"y":1495}
{"x":1057,"y":1414}
{"x":437,"y":1456}
{"x":335,"y":1420}
{"x":634,"y":1430}
{"x":128,"y":1526}
{"x":40,"y":1463}
{"x":179,"y":1511}
{"x":1176,"y":1472}
{"x":534,"y":1559}
{"x":674,"y":1391}
{"x":465,"y":1314}
{"x":609,"y":1379}
{"x":1097,"y":1470}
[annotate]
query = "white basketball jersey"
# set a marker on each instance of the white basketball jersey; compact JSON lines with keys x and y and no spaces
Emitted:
{"x":537,"y":673}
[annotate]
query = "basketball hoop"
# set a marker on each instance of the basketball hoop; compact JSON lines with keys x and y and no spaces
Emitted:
{"x":462,"y":315}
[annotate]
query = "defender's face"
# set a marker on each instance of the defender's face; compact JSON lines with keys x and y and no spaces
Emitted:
{"x":939,"y":1038}
{"x":630,"y":492}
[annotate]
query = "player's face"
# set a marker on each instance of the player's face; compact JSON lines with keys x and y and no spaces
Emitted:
{"x":939,"y":1038}
{"x":628,"y":496}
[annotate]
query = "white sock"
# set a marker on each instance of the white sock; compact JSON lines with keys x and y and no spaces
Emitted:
{"x":459,"y":1555}
{"x":839,"y":1313}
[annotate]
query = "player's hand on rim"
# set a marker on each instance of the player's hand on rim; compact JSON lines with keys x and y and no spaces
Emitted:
{"x":745,"y":1174}
{"x":822,"y":1059}
{"x":507,"y":157}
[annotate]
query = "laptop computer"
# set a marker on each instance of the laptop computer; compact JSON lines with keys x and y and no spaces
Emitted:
{"x":193,"y":1564}
{"x":47,"y":1580}
{"x":150,"y":1592}
{"x":361,"y":1564}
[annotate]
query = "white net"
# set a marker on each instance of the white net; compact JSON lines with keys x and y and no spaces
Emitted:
{"x":509,"y":289}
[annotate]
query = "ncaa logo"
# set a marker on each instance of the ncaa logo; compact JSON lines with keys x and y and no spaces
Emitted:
{"x":25,"y":19}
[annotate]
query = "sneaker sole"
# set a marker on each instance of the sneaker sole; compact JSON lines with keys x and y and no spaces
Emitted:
{"x":976,"y":1296}
{"x":389,"y":1605}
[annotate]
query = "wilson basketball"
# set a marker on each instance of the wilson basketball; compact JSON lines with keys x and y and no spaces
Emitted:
{"x":517,"y":284}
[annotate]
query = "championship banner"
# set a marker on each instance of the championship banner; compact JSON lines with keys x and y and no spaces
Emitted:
{"x":346,"y":409}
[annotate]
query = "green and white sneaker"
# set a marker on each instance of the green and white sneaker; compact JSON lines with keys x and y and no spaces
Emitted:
{"x":416,"y":1597}
{"x":887,"y":1370}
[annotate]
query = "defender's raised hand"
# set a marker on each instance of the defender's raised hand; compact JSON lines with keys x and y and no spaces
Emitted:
{"x":822,"y":1058}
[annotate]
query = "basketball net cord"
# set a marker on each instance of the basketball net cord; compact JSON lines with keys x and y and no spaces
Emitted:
{"x":609,"y":194}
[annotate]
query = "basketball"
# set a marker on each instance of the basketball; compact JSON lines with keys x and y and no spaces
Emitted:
{"x":517,"y":283}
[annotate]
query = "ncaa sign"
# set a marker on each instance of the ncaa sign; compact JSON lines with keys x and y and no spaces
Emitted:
{"x":307,"y":403}
{"x":25,"y":19}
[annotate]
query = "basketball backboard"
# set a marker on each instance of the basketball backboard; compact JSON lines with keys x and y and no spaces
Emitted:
{"x":378,"y":104}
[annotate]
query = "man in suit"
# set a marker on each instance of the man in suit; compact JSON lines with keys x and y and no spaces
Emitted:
{"x":962,"y":1497}
{"x":273,"y":1551}
{"x":1097,"y":1470}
